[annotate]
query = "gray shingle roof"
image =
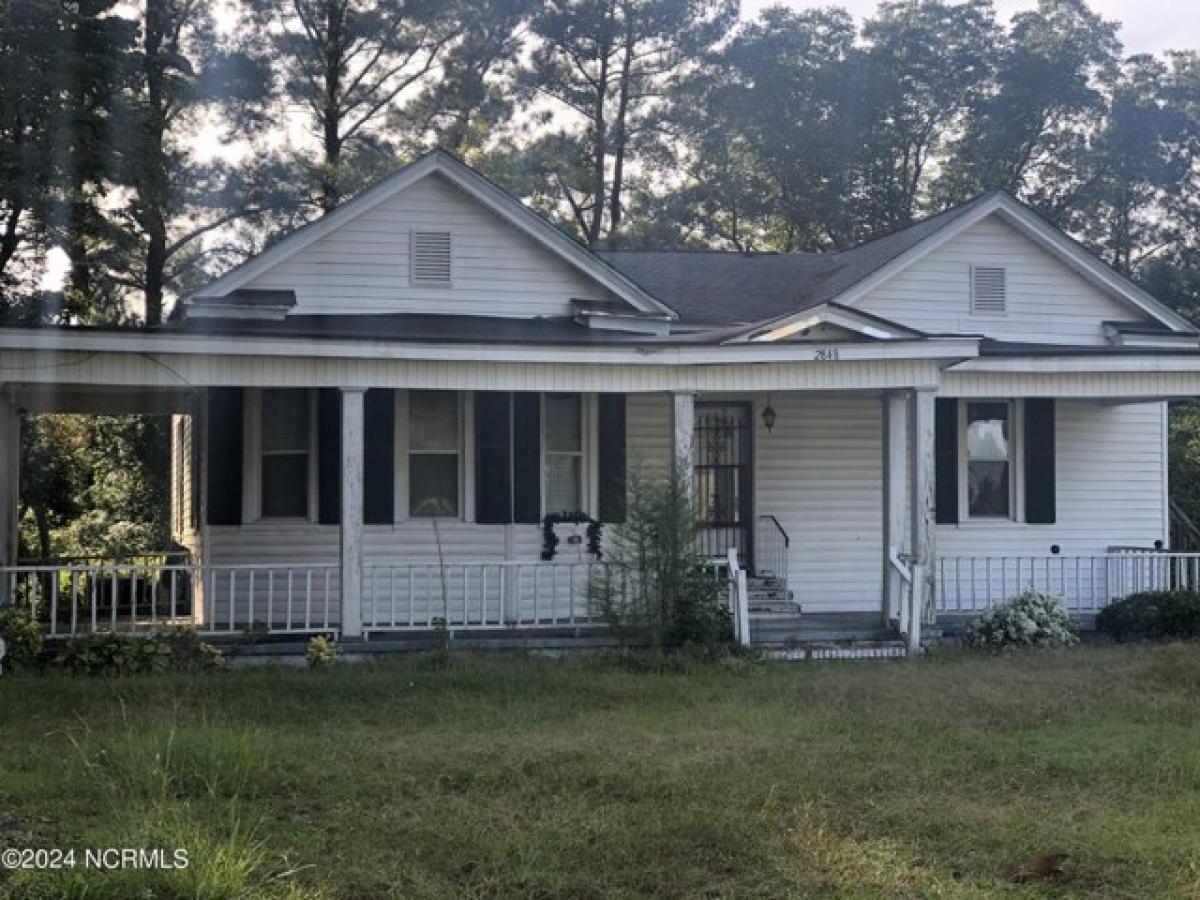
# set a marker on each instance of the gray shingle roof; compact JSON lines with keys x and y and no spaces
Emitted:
{"x":728,"y":287}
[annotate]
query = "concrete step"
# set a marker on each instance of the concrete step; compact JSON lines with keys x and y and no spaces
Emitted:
{"x":822,"y":650}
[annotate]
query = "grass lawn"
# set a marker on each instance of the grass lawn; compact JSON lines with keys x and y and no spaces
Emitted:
{"x":583,"y":778}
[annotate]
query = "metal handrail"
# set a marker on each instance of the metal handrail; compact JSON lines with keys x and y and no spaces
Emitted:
{"x":1183,"y":522}
{"x":787,"y":541}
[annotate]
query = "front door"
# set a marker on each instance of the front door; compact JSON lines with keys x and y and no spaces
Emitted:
{"x":723,"y":473}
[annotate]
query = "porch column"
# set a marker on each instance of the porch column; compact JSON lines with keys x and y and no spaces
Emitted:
{"x":894,"y":409}
{"x":921,"y":538}
{"x":352,"y":511}
{"x":683,"y":428}
{"x":10,"y":476}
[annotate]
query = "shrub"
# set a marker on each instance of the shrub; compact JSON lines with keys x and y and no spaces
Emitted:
{"x":22,"y":636}
{"x":1030,"y":619}
{"x":188,"y":651}
{"x":109,"y":653}
{"x":321,"y":652}
{"x":658,"y":588}
{"x":1152,"y":615}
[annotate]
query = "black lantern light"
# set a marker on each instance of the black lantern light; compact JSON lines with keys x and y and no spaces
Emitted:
{"x":769,"y":415}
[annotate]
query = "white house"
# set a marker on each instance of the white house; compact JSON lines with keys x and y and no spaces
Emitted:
{"x":373,"y":418}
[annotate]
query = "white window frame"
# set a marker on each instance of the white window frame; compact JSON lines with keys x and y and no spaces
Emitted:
{"x":588,"y":476}
{"x":404,"y":452}
{"x":1016,"y":457}
{"x":252,"y":460}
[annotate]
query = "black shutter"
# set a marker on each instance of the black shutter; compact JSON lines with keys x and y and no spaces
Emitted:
{"x":493,"y":459}
{"x":379,"y":450}
{"x":329,"y":456}
{"x":610,"y":416}
{"x":945,"y":450}
{"x":1039,"y":461}
{"x":223,"y":469}
{"x":527,"y":458}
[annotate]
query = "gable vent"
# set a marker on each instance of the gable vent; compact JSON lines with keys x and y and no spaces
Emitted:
{"x":989,"y":293}
{"x":429,"y":258}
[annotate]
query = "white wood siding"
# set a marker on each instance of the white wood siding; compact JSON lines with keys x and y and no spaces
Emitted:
{"x":363,"y":266}
{"x":1111,"y":479}
{"x":1047,"y":301}
{"x":819,"y":472}
{"x":647,"y":442}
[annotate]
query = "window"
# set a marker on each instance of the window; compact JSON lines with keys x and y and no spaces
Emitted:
{"x":989,"y":459}
{"x":563,"y":469}
{"x":989,"y":290}
{"x":286,"y":437}
{"x":433,"y":442}
{"x":430,"y":257}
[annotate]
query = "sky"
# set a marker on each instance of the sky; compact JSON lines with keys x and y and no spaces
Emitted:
{"x":1149,"y":26}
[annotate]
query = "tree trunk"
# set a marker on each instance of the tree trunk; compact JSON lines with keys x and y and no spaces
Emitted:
{"x":156,"y":264}
{"x":42,"y":520}
{"x":10,"y":239}
{"x":153,"y":187}
{"x":621,"y":138}
{"x":331,"y":111}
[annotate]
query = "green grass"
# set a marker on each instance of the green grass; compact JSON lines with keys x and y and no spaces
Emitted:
{"x":584,"y":778}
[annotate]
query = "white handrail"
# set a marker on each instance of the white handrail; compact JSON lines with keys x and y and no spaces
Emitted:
{"x":739,"y":599}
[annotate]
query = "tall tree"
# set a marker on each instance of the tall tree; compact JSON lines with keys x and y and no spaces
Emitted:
{"x":772,"y":146}
{"x":609,"y":64}
{"x":1144,"y":161}
{"x":185,"y":76}
{"x":473,"y":95}
{"x":1028,"y":133}
{"x":62,"y":63}
{"x":345,"y":65}
{"x":925,"y":64}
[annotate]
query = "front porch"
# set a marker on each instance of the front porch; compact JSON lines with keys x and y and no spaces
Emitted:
{"x":409,"y":495}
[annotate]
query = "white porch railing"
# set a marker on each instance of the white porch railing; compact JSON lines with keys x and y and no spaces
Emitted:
{"x":137,"y":598}
{"x":971,"y":584}
{"x":484,"y":594}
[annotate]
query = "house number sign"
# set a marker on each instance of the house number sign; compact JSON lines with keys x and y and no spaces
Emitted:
{"x":825,"y":354}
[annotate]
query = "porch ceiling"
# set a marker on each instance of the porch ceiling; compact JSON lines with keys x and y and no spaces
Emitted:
{"x":100,"y":399}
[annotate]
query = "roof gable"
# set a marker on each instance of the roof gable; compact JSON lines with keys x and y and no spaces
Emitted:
{"x":254,"y":272}
{"x":1047,"y":237}
{"x":831,"y":322}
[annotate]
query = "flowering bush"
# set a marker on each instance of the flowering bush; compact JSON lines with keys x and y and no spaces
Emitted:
{"x":1030,"y":619}
{"x":321,"y":652}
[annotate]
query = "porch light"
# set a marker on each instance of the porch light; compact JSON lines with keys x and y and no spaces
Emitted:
{"x":769,"y":415}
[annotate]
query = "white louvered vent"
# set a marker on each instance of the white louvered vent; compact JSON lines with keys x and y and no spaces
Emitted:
{"x":429,"y":259}
{"x":989,"y":292}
